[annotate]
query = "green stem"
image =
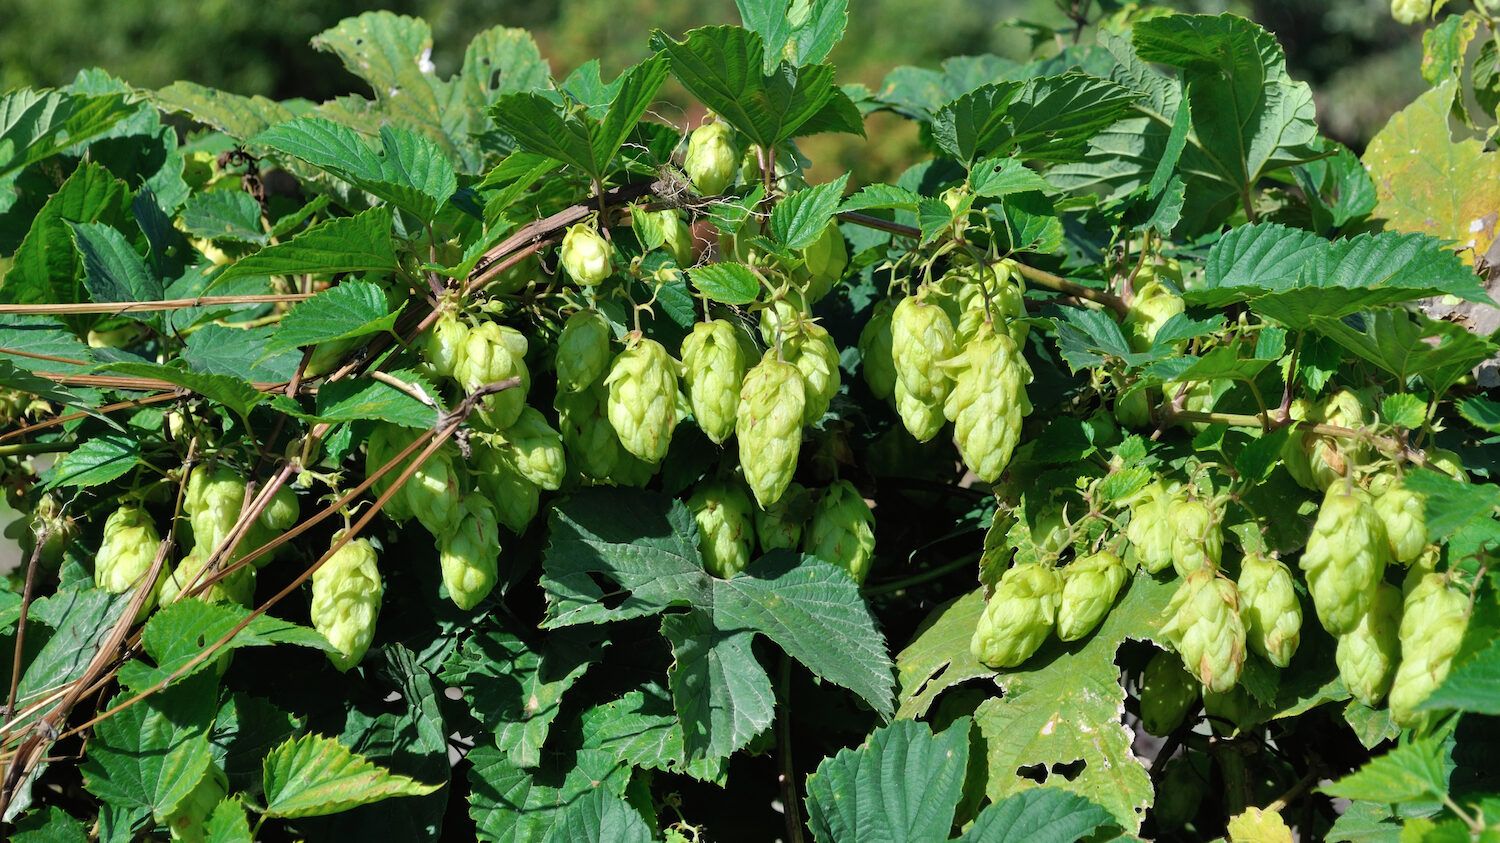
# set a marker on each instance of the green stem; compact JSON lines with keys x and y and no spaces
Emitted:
{"x":24,"y":448}
{"x":789,"y":798}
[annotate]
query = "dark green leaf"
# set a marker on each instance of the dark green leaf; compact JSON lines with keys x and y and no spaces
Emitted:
{"x":360,"y":243}
{"x":112,"y":271}
{"x":912,"y":778}
{"x":346,"y":311}
{"x":729,"y":283}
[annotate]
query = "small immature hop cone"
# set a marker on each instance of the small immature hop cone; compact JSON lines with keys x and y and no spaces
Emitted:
{"x":922,"y":337}
{"x":725,"y":530}
{"x":642,"y":404}
{"x":1367,"y":655}
{"x":1295,"y":449}
{"x":1150,"y":529}
{"x":282,"y":512}
{"x":1330,"y":459}
{"x":1167,"y":692}
{"x":769,"y":427}
{"x":1433,"y":622}
{"x":1410,"y":12}
{"x":1403,"y":513}
{"x":811,"y":350}
{"x":988,"y":401}
{"x":1229,"y":712}
{"x":582,"y":351}
{"x":842,"y":530}
{"x":1345,"y":558}
{"x":1197,"y":539}
{"x":585,"y":255}
{"x":470,"y":554}
{"x":713,"y":366}
{"x":433,"y":493}
{"x":824,"y":262}
{"x":346,"y":594}
{"x":1090,"y":586}
{"x":875,"y":351}
{"x":678,"y":237}
{"x":1153,"y":306}
{"x":1268,"y":601}
{"x":1204,"y":625}
{"x":492,"y":353}
{"x":779,"y":526}
{"x":711,"y":160}
{"x":535,"y":449}
{"x":1018,"y":616}
{"x":443,"y":345}
{"x":384,"y":444}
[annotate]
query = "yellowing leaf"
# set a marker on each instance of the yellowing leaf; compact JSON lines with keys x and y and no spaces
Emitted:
{"x":1427,"y":182}
{"x":1258,"y":826}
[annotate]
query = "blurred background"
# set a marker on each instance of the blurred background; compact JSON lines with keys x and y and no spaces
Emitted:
{"x":1361,"y":64}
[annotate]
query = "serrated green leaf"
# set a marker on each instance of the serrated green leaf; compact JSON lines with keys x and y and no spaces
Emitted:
{"x":1049,"y":118}
{"x":513,"y":805}
{"x":45,"y":268}
{"x":96,"y":460}
{"x":361,"y":243}
{"x":1481,"y":412}
{"x":179,"y":632}
{"x":239,"y":353}
{"x":1003,"y":176}
{"x":728,"y":283}
{"x":53,"y":826}
{"x":598,"y":815}
{"x":42,"y":344}
{"x":352,"y":399}
{"x":237,"y":116}
{"x":313,"y":775}
{"x":642,"y":729}
{"x":1403,"y":409}
{"x":1040,"y":815}
{"x":81,"y":620}
{"x":880,"y":197}
{"x":798,"y":220}
{"x":224,"y":389}
{"x":224,"y":215}
{"x":902,"y":783}
{"x":723,"y":695}
{"x":1411,"y":772}
{"x":39,"y":124}
{"x":152,"y":754}
{"x":1408,"y":345}
{"x":345,"y":311}
{"x":112,"y":271}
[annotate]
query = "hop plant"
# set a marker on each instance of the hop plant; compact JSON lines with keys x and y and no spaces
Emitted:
{"x":126,"y":553}
{"x":642,"y":405}
{"x":1089,"y":588}
{"x":824,"y":263}
{"x":999,"y":299}
{"x":1344,"y":559}
{"x":1268,"y":599}
{"x":215,"y":495}
{"x":188,"y":819}
{"x":711,"y":159}
{"x":842,"y":530}
{"x":1433,"y":621}
{"x":779,"y":526}
{"x":494,"y":352}
{"x":1018,"y":616}
{"x":725,"y":530}
{"x":713,"y":366}
{"x":433,"y":493}
{"x":469,"y":555}
{"x":1150,"y":529}
{"x":585,"y":255}
{"x":1180,"y":795}
{"x":1255,"y":825}
{"x":1330,"y":459}
{"x":1205,"y":627}
{"x":237,"y":587}
{"x":535,"y":449}
{"x":385,"y":443}
{"x":346,"y":594}
{"x":769,"y":425}
{"x":514,"y":498}
{"x":1367,"y":655}
{"x":1294,"y":451}
{"x":922,"y":337}
{"x":1167,"y":693}
{"x":582,"y":351}
{"x":590,"y":443}
{"x":875,"y":359}
{"x":1153,"y":306}
{"x":988,"y":401}
{"x":443,"y":344}
{"x":677,"y":237}
{"x":811,"y":350}
{"x":1402,"y":512}
{"x":1197,"y":540}
{"x":1411,"y":12}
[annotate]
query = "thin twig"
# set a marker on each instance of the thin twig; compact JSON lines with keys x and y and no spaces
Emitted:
{"x":139,"y":306}
{"x":26,"y":597}
{"x":789,"y":797}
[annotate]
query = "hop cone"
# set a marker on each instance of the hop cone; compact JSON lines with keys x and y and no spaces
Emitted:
{"x":443,"y":345}
{"x":1167,"y":692}
{"x":1204,"y":625}
{"x":514,"y":498}
{"x":188,"y":819}
{"x":1402,"y":512}
{"x":127,"y":551}
{"x":811,"y":350}
{"x":875,"y":351}
{"x":493,"y":353}
{"x":1006,"y":302}
{"x":988,"y":401}
{"x":1330,"y":459}
{"x":387,"y":441}
{"x":824,"y":262}
{"x":842,"y":530}
{"x":725,"y":532}
{"x":282,"y":512}
{"x":536,"y":450}
{"x":713,"y":366}
{"x":1433,"y":622}
{"x":1089,"y":588}
{"x":1150,"y":530}
{"x":582,"y":351}
{"x":1268,"y":600}
{"x":1367,"y":655}
{"x":346,"y":593}
{"x":585,"y":255}
{"x":1295,"y":449}
{"x":631,"y":470}
{"x":1133,"y":408}
{"x":779,"y":320}
{"x":779,"y":526}
{"x":213,"y":501}
{"x":433,"y":493}
{"x":677,"y":236}
{"x":922,"y":338}
{"x":238,"y":587}
{"x":470,"y":554}
{"x":770,"y":427}
{"x":1448,"y":463}
{"x":1151,"y":308}
{"x":642,"y":406}
{"x":591,"y":444}
{"x":710,"y":161}
{"x":1018,"y":616}
{"x":1183,"y":785}
{"x":1197,"y":540}
{"x":1344,"y":559}
{"x":1411,"y":12}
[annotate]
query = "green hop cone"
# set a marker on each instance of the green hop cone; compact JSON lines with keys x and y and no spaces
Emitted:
{"x":238,"y":587}
{"x":922,"y":337}
{"x":1197,"y":539}
{"x":1367,"y":655}
{"x":188,"y":820}
{"x":281,"y":512}
{"x":582,"y":351}
{"x":1018,"y":616}
{"x":214,"y":497}
{"x":1411,"y":12}
{"x":1184,"y":784}
{"x":711,"y":159}
{"x":1167,"y":693}
{"x":443,"y":344}
{"x":1133,"y":408}
{"x":1004,"y":306}
{"x":1273,"y":617}
{"x":1089,"y":588}
{"x":642,"y":405}
{"x":535,"y":449}
{"x":713,"y":366}
{"x":591,"y":445}
{"x":778,"y":320}
{"x":514,"y":498}
{"x":1329,"y":459}
{"x":384,"y":444}
{"x":1433,"y":621}
{"x":1403,"y":513}
{"x":769,"y":426}
{"x":779,"y":526}
{"x":470,"y":554}
{"x":346,"y":593}
{"x":1294,"y":449}
{"x":875,"y":351}
{"x":1345,"y":558}
{"x":632,"y":471}
{"x":1150,"y":530}
{"x":494,"y":353}
{"x":824,"y":262}
{"x":811,"y":350}
{"x":585,"y":255}
{"x":127,"y":550}
{"x":842,"y":530}
{"x":988,"y":401}
{"x":677,"y":237}
{"x":1153,"y":306}
{"x":433,"y":493}
{"x":1204,"y":625}
{"x":725,"y":529}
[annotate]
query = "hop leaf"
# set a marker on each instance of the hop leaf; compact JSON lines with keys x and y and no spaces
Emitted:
{"x":1433,"y":620}
{"x":922,"y":337}
{"x":722,"y":510}
{"x":1273,"y":617}
{"x":1367,"y":655}
{"x":469,"y":554}
{"x":187,"y":821}
{"x":346,"y":595}
{"x":713,"y":366}
{"x":1018,"y":616}
{"x":582,"y":351}
{"x":1167,"y":692}
{"x":1204,"y":626}
{"x":842,"y":530}
{"x":1345,"y":559}
{"x":642,"y":404}
{"x":711,"y":159}
{"x":1259,"y":826}
{"x":769,"y":426}
{"x":988,"y":401}
{"x":585,"y":255}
